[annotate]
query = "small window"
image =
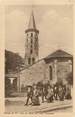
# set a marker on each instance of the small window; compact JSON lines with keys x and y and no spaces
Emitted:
{"x":33,"y":60}
{"x":31,"y":41}
{"x":31,"y":46}
{"x":31,"y":34}
{"x":36,"y":36}
{"x":29,"y":60}
{"x":27,"y":40}
{"x":31,"y":51}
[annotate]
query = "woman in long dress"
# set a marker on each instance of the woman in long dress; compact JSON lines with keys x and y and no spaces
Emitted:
{"x":50,"y":94}
{"x":35,"y":98}
{"x":61,"y":93}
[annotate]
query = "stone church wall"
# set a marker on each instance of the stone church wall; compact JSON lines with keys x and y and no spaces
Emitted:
{"x":60,"y":70}
{"x":63,"y":70}
{"x":41,"y":72}
{"x":33,"y":74}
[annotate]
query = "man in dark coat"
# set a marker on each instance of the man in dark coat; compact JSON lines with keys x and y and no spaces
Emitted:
{"x":56,"y":91}
{"x":68,"y":92}
{"x":29,"y":94}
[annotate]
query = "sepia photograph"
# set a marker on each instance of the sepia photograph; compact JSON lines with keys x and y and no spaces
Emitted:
{"x":38,"y":59}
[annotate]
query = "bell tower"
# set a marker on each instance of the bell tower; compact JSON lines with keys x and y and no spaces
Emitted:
{"x":31,"y":42}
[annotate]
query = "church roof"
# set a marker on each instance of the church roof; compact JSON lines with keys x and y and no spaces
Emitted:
{"x":59,"y":54}
{"x":32,"y":24}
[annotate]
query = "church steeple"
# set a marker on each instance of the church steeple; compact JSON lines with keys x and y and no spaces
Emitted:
{"x":32,"y":24}
{"x":31,"y":43}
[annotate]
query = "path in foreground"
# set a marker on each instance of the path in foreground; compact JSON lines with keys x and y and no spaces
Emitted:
{"x":17,"y":106}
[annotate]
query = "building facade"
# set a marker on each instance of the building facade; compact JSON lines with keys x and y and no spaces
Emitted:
{"x":54,"y":68}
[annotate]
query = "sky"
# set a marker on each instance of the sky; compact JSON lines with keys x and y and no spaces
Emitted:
{"x":54,"y":22}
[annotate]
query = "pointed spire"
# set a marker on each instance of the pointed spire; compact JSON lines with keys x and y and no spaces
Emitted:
{"x":32,"y":24}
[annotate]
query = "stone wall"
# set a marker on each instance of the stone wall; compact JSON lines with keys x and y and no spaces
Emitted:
{"x":33,"y":74}
{"x":63,"y":70}
{"x":40,"y":72}
{"x":60,"y":70}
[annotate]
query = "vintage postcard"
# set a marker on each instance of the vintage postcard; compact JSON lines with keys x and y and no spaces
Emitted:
{"x":38,"y":58}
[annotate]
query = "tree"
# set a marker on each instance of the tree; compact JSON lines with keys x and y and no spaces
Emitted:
{"x":13,"y":61}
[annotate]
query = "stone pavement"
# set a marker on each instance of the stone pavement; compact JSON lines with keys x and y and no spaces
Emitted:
{"x":16,"y":105}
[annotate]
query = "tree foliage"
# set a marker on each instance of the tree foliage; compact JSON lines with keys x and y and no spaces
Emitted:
{"x":13,"y":61}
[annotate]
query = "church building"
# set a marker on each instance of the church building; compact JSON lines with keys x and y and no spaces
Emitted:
{"x":54,"y":68}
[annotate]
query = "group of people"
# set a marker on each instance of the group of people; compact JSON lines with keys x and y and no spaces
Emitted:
{"x":47,"y":93}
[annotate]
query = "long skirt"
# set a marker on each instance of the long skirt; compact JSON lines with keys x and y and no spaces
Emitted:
{"x":49,"y":98}
{"x":35,"y":101}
